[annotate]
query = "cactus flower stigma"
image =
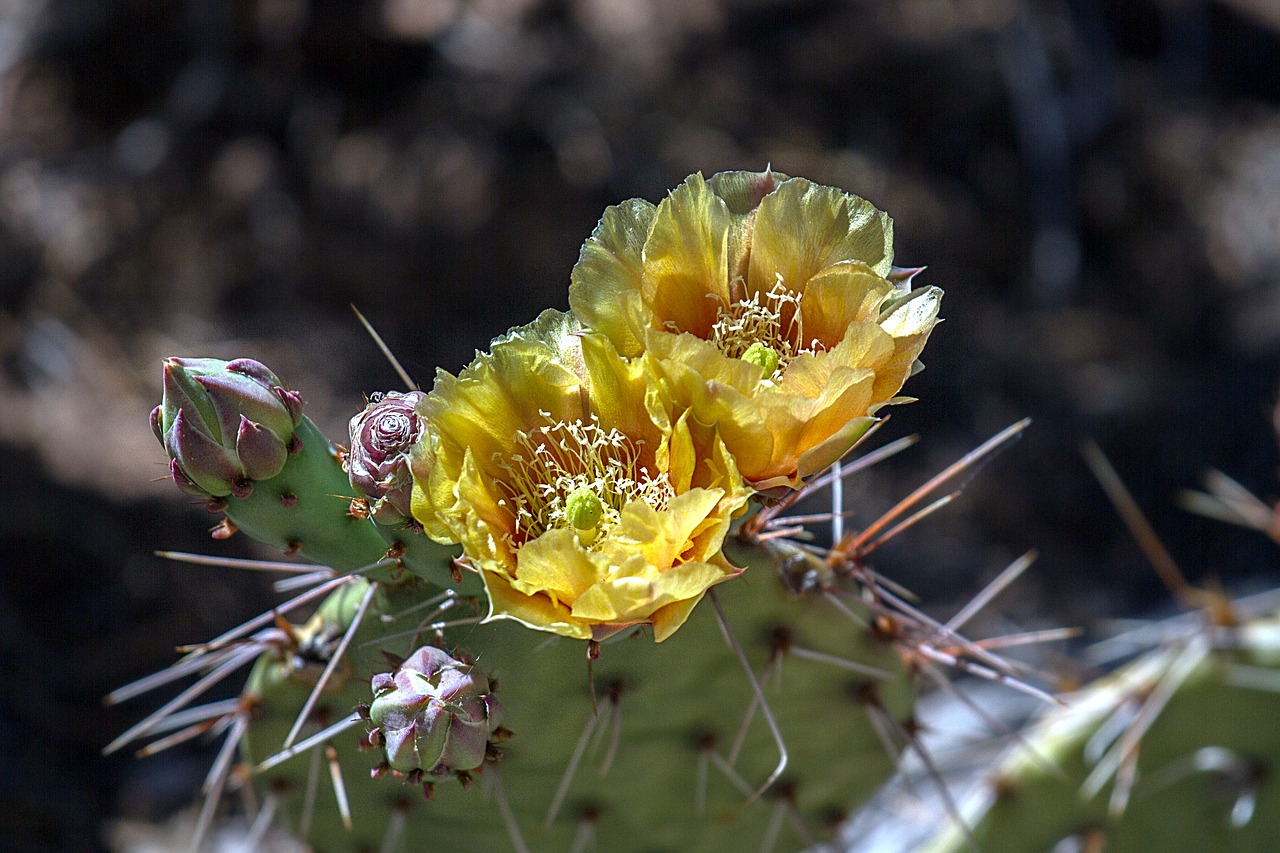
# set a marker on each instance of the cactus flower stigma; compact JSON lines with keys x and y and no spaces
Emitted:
{"x":434,"y":714}
{"x":378,"y":460}
{"x":586,"y":504}
{"x":768,"y":306}
{"x":224,"y":424}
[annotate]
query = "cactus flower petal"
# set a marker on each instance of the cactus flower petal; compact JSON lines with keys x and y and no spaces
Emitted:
{"x":517,"y":441}
{"x":771,"y":309}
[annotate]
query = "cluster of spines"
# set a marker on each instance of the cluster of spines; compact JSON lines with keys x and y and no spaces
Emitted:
{"x":349,"y":626}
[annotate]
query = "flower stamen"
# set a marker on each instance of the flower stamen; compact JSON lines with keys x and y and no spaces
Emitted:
{"x":766,"y":330}
{"x":576,"y":475}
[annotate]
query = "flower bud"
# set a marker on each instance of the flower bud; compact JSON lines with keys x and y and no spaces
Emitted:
{"x":378,"y":461}
{"x":224,"y":424}
{"x":434,"y":714}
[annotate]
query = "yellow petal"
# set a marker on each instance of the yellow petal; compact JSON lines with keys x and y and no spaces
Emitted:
{"x":557,"y":564}
{"x":635,"y":597}
{"x":660,"y":537}
{"x":840,"y":296}
{"x":801,"y":228}
{"x":535,"y":611}
{"x":605,"y":285}
{"x":742,"y":191}
{"x":686,"y":263}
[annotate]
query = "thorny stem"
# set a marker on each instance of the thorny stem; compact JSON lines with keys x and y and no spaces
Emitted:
{"x":308,"y":743}
{"x":305,"y":713}
{"x":765,"y":710}
{"x":574,"y":760}
{"x":339,"y":786}
{"x":991,"y":590}
{"x":508,"y":817}
{"x":1159,"y":557}
{"x":854,"y":549}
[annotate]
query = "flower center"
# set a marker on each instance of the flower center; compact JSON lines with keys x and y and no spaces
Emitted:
{"x":576,"y":475}
{"x":394,"y":431}
{"x":766,"y":330}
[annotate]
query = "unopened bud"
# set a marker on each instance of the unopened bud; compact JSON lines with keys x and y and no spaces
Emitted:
{"x":434,"y":714}
{"x":378,"y":462}
{"x":224,"y":424}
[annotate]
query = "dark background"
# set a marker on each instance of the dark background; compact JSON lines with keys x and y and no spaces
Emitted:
{"x":1095,"y":184}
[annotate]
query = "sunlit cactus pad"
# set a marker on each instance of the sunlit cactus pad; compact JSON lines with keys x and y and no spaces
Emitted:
{"x":1176,"y":752}
{"x":663,"y":711}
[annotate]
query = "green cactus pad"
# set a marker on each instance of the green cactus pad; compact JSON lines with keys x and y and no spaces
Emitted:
{"x":675,"y":701}
{"x":1206,"y":765}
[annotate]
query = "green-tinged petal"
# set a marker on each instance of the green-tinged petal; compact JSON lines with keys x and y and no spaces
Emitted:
{"x":910,"y":324}
{"x":915,"y":314}
{"x":802,"y":228}
{"x":686,"y":258}
{"x":535,"y":611}
{"x":604,"y":287}
{"x":840,"y":296}
{"x":742,"y":191}
{"x":556,"y":563}
{"x":821,"y":456}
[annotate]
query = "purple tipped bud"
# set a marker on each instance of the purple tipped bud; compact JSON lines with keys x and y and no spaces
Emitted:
{"x":157,"y":423}
{"x":206,"y":462}
{"x":435,"y":714}
{"x":262,"y":454}
{"x":292,"y":401}
{"x":182,"y":481}
{"x":226,"y":424}
{"x":382,"y":437}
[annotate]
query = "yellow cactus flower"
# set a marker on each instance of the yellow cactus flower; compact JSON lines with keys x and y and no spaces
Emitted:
{"x":766,"y":305}
{"x":587,"y":504}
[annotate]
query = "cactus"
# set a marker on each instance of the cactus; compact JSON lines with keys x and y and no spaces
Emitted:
{"x":1176,"y":751}
{"x":559,"y":602}
{"x":595,"y":469}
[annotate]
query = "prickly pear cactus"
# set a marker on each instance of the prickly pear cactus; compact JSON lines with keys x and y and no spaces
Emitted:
{"x":1174,"y":752}
{"x":558,"y":600}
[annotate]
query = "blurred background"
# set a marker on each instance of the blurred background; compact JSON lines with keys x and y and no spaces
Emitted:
{"x":1095,"y":184}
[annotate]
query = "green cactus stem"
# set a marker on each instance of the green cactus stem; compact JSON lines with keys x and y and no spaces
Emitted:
{"x":1177,"y":751}
{"x":666,"y":718}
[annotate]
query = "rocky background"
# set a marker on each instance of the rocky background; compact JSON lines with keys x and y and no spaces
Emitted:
{"x":1096,"y":185}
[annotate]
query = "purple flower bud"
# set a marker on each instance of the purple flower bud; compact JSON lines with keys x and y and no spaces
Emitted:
{"x":225,"y":424}
{"x":434,"y":714}
{"x":206,"y":462}
{"x":261,"y":452}
{"x":382,"y":437}
{"x":183,"y":482}
{"x":157,"y":423}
